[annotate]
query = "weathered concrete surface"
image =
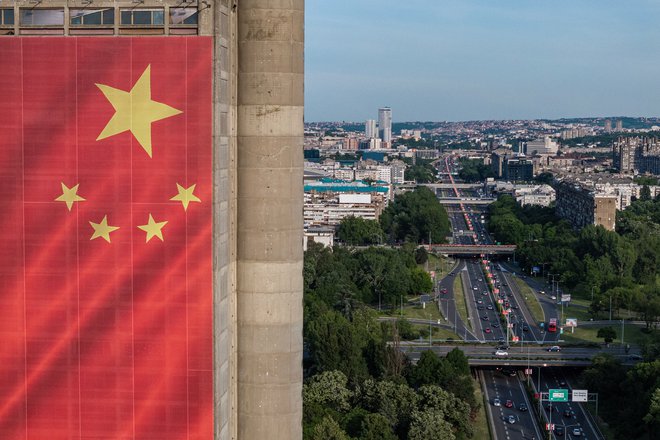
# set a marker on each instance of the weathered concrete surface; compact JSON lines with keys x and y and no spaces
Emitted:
{"x":269,"y":218}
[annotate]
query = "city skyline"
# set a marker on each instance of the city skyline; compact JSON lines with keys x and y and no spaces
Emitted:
{"x":462,"y":61}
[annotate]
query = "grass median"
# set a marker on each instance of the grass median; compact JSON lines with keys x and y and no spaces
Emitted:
{"x":633,"y":334}
{"x":459,"y":298}
{"x":481,"y":428}
{"x":530,"y":299}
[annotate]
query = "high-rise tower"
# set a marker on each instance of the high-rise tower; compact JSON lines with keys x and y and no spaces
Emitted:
{"x":370,"y":129}
{"x":385,"y":125}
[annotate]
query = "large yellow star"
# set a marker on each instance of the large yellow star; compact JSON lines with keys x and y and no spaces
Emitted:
{"x":102,"y":229}
{"x":69,"y":195}
{"x":153,"y":228}
{"x":135,"y":111}
{"x":185,"y":196}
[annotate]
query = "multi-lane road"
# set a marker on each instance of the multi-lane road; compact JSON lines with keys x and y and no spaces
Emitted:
{"x":485,"y":324}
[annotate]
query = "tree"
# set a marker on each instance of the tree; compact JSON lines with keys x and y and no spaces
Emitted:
{"x":415,"y":217}
{"x":328,"y":388}
{"x":358,"y":231}
{"x":427,"y":425}
{"x":334,"y":345}
{"x":421,"y":255}
{"x":328,"y":429}
{"x":421,"y":281}
{"x":459,"y":362}
{"x":645,"y":193}
{"x":395,"y":402}
{"x":607,"y":333}
{"x":376,"y":427}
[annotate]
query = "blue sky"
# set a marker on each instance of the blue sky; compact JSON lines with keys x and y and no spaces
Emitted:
{"x":481,"y":59}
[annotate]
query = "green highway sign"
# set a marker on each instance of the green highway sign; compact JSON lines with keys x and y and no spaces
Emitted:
{"x":560,"y":395}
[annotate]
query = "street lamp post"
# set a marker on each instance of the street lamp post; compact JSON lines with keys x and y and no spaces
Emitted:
{"x":430,"y":331}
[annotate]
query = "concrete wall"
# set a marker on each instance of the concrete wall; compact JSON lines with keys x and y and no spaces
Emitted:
{"x":269,"y":223}
{"x":222,"y":25}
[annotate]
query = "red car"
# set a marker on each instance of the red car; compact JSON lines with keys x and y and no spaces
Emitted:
{"x":509,"y":404}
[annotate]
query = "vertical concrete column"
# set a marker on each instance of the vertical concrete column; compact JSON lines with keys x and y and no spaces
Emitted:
{"x":219,"y":21}
{"x":269,"y":222}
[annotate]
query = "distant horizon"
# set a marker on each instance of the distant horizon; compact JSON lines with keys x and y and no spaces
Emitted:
{"x":394,"y":121}
{"x":479,"y":60}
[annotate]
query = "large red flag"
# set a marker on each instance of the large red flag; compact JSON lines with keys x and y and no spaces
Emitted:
{"x":106,"y":238}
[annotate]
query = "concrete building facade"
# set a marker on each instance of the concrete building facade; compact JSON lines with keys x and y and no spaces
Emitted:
{"x":258,"y":185}
{"x":583,"y":206}
{"x":385,"y":125}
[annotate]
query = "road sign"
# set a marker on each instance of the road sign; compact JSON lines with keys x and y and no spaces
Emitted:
{"x":549,"y":426}
{"x":528,"y":371}
{"x":558,"y":395}
{"x":571,"y":322}
{"x":566,"y":297}
{"x":580,"y":396}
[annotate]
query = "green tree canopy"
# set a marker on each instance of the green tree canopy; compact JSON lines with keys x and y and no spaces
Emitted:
{"x":358,"y":231}
{"x":415,"y":217}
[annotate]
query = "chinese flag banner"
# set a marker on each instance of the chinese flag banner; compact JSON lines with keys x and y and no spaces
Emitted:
{"x":106,"y":238}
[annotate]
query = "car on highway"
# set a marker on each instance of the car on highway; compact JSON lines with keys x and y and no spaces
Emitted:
{"x":484,"y":318}
{"x":635,"y":357}
{"x":496,"y":402}
{"x":508,"y":404}
{"x":577,"y":432}
{"x":501,"y":353}
{"x":480,"y":307}
{"x":559,"y":431}
{"x":489,"y":307}
{"x":479,"y":301}
{"x":525,"y":328}
{"x":487,"y":330}
{"x":475,"y":288}
{"x":511,"y":420}
{"x":495,"y":325}
{"x":569,"y":413}
{"x":522,"y":407}
{"x":554,"y":348}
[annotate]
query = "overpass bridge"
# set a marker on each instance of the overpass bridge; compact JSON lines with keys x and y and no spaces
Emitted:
{"x":472,"y":249}
{"x":465,"y":201}
{"x":531,"y":355}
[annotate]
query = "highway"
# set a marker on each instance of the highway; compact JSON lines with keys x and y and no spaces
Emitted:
{"x":566,"y":416}
{"x":486,"y":325}
{"x":505,"y":386}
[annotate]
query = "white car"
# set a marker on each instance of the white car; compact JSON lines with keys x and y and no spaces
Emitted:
{"x":501,"y":353}
{"x":496,"y":402}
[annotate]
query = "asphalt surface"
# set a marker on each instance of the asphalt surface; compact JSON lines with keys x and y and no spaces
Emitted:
{"x":506,"y":387}
{"x":565,"y":416}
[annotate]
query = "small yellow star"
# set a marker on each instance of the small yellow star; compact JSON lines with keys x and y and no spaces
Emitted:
{"x":135,"y":111}
{"x":102,"y":229}
{"x":69,"y":196}
{"x":153,"y":229}
{"x":185,"y":196}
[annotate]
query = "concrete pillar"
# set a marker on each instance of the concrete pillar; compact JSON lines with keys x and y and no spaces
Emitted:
{"x":269,"y":222}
